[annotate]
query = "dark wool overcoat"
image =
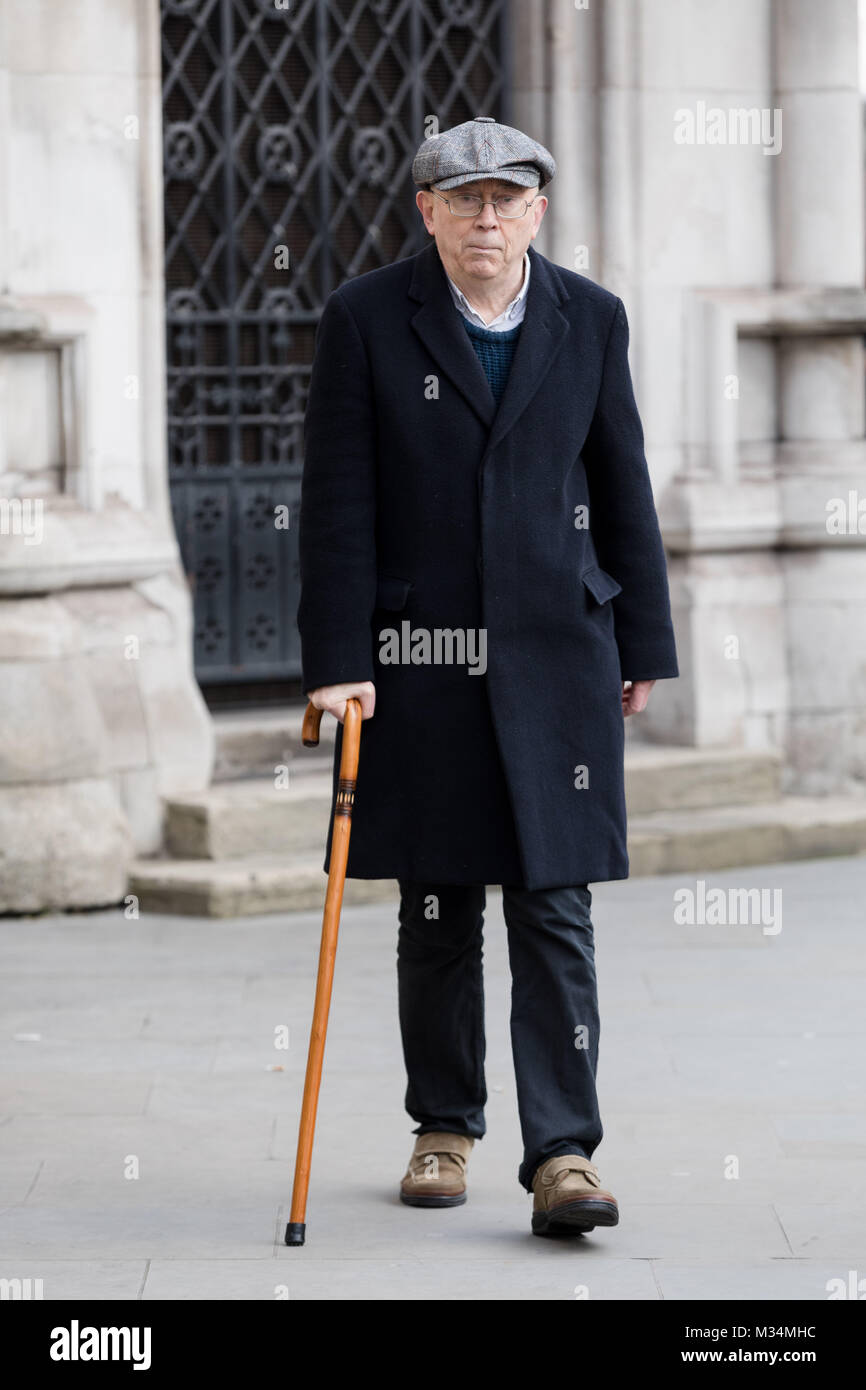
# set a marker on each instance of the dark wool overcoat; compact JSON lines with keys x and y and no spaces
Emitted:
{"x":525,"y":535}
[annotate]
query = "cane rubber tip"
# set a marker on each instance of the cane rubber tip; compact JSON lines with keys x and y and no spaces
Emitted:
{"x":295,"y":1232}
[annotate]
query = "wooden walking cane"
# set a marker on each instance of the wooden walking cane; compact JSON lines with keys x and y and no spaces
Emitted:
{"x":296,"y":1228}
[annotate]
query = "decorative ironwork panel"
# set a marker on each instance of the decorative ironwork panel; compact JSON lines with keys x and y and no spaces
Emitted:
{"x":289,"y":132}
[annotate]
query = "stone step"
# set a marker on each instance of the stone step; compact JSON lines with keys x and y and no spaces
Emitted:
{"x":666,"y":778}
{"x":245,"y":887}
{"x":728,"y":837}
{"x":232,"y":819}
{"x":663,"y":842}
{"x":251,"y":743}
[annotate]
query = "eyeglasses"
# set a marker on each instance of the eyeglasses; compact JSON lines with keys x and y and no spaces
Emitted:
{"x":470,"y":204}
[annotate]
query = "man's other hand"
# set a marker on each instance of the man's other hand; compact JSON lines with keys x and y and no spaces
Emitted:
{"x":635,"y":695}
{"x":332,"y":698}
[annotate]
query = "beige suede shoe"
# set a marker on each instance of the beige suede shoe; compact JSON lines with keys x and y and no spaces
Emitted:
{"x":436,"y":1176}
{"x":569,"y":1198}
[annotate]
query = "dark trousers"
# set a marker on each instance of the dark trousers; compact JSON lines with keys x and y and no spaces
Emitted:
{"x":554,"y":1014}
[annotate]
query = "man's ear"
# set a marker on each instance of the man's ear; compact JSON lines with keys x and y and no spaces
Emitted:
{"x":542,"y":203}
{"x":423,"y":201}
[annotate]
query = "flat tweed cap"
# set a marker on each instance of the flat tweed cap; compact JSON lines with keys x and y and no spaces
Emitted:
{"x":482,"y":149}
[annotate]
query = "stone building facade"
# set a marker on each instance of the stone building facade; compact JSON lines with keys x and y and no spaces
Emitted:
{"x":100,"y":714}
{"x":710,"y":172}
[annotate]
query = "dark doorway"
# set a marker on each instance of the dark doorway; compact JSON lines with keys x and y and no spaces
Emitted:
{"x":289,"y":135}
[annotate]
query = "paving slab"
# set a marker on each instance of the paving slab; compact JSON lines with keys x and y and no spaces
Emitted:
{"x":66,"y":1095}
{"x":52,"y":1280}
{"x":784,"y":1279}
{"x":825,"y":1230}
{"x":97,"y":1231}
{"x":310,"y":1277}
{"x":153,"y":1040}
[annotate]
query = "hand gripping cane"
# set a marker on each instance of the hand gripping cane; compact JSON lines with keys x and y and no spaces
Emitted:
{"x":296,"y":1228}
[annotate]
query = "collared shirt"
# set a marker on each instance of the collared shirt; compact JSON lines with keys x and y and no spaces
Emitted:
{"x":509,"y":318}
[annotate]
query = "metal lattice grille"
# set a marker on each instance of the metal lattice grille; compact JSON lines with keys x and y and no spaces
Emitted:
{"x":289,"y":136}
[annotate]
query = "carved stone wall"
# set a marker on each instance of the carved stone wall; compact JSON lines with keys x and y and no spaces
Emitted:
{"x":99,"y":711}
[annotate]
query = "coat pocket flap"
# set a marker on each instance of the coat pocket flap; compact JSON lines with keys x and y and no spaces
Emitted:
{"x":601,"y":585}
{"x":391,"y":592}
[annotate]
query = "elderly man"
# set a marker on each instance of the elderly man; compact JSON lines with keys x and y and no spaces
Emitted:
{"x":482,"y":568}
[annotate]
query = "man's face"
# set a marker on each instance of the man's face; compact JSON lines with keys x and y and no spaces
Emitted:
{"x":486,"y":245}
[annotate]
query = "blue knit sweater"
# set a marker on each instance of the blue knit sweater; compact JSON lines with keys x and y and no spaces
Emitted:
{"x":495,"y":352}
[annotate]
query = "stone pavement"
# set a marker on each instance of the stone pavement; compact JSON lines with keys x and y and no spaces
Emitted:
{"x":147,"y":1145}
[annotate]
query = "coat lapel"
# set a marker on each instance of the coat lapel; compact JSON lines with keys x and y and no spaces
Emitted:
{"x":440,"y":327}
{"x":439,"y":324}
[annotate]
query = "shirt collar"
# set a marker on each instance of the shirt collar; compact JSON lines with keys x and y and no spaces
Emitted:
{"x":508,"y":313}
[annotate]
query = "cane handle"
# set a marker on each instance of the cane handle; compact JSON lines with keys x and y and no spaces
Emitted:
{"x":312,"y":723}
{"x":310,"y":726}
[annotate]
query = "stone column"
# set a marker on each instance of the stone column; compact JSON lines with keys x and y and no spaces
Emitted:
{"x":821,"y":464}
{"x":100,"y":714}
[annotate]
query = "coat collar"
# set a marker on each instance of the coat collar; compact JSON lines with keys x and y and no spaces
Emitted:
{"x":438,"y":324}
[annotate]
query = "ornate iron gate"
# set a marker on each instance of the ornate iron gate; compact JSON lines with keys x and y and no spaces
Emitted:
{"x":289,"y":132}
